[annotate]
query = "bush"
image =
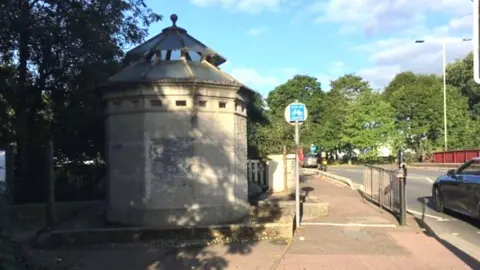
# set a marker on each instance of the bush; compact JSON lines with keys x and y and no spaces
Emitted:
{"x":80,"y":182}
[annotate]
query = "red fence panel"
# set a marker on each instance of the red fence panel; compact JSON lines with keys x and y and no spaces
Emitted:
{"x":472,"y":153}
{"x":457,"y":156}
{"x":438,"y":157}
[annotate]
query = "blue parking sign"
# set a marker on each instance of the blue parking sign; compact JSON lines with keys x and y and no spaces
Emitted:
{"x":297,"y":112}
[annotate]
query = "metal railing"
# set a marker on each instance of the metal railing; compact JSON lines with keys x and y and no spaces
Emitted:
{"x":257,"y":172}
{"x":387,"y":188}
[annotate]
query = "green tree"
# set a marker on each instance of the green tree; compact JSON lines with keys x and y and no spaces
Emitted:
{"x":419,"y":113}
{"x":58,"y":51}
{"x":336,"y":106}
{"x":257,"y":120}
{"x":460,"y":75}
{"x":350,"y":85}
{"x":461,"y":128}
{"x":400,"y":80}
{"x":369,"y":123}
{"x":303,"y":88}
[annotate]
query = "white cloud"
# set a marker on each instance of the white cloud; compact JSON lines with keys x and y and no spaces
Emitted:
{"x":247,"y":6}
{"x":335,"y":70}
{"x":395,"y":55}
{"x":257,"y":31}
{"x":399,"y":23}
{"x":264,"y":81}
{"x":464,"y":22}
{"x":255,"y":80}
{"x":382,"y":16}
{"x":286,"y":73}
{"x":379,"y":76}
{"x":325,"y":79}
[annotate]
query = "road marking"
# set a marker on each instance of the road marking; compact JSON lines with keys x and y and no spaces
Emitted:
{"x":427,"y":215}
{"x":349,"y":224}
{"x":347,"y":170}
{"x":422,"y":178}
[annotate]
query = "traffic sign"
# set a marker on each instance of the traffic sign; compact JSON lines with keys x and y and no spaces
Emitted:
{"x":296,"y":112}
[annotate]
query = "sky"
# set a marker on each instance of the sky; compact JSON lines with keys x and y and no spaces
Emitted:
{"x":267,"y":42}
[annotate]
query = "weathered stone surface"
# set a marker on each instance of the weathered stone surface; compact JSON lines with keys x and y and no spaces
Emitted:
{"x":173,"y":165}
{"x":267,"y":220}
{"x":176,"y":136}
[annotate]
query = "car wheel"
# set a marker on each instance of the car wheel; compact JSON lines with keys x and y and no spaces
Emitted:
{"x":438,"y":200}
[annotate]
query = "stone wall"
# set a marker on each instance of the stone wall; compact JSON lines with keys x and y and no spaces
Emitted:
{"x":176,"y":164}
{"x":241,"y":181}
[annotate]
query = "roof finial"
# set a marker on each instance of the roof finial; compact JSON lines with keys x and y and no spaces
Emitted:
{"x":174,"y":19}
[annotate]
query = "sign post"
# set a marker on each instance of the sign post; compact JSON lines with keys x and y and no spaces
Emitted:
{"x":296,"y":113}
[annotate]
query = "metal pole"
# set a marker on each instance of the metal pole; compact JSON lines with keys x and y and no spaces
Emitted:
{"x":444,"y":55}
{"x":297,"y":175}
{"x":403,"y":206}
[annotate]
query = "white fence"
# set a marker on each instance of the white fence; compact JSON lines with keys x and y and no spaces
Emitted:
{"x":257,"y":172}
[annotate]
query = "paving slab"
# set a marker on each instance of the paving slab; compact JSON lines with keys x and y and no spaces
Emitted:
{"x":355,"y":235}
{"x":361,"y":239}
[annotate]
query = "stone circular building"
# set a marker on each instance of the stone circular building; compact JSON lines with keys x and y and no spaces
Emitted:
{"x":176,"y":136}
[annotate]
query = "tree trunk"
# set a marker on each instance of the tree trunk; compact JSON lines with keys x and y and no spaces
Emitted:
{"x":285,"y":169}
{"x":22,"y":96}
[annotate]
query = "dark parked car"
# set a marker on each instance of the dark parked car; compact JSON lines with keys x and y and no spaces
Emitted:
{"x":459,"y":190}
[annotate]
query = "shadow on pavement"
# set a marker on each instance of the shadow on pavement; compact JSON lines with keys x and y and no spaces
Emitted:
{"x":181,"y":197}
{"x":431,"y":207}
{"x":377,"y":204}
{"x":467,"y":259}
{"x":306,"y":191}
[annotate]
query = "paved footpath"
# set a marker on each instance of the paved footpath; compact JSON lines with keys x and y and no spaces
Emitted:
{"x":359,"y":235}
{"x":355,"y":235}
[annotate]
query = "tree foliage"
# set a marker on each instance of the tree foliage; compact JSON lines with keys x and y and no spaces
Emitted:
{"x":369,"y":123}
{"x":303,"y":88}
{"x":352,"y":116}
{"x":52,"y":56}
{"x":459,"y":75}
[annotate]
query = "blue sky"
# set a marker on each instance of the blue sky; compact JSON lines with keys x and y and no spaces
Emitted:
{"x":266,"y":42}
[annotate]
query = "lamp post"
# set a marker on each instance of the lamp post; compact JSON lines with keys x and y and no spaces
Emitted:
{"x":444,"y":63}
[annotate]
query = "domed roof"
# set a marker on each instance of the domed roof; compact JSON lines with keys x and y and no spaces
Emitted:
{"x":173,"y":39}
{"x":174,"y":55}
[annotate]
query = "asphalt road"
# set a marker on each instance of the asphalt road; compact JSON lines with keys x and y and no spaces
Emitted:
{"x":461,"y":232}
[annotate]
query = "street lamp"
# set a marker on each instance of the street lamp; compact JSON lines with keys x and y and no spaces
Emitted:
{"x":444,"y":56}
